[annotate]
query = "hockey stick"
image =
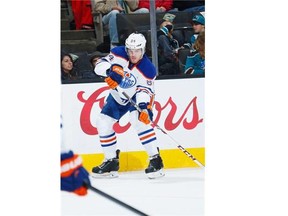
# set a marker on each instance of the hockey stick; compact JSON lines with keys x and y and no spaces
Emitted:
{"x":163,"y":131}
{"x":88,"y":185}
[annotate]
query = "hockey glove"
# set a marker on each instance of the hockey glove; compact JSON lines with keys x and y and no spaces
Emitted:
{"x":115,"y":76}
{"x":74,"y":177}
{"x":146,"y":115}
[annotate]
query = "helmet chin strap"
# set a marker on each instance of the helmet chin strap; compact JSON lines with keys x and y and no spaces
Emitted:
{"x":143,"y":52}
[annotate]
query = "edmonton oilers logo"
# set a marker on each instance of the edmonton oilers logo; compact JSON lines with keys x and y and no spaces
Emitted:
{"x":128,"y":81}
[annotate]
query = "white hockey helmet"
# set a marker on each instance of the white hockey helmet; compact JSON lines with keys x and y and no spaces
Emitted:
{"x":136,"y":41}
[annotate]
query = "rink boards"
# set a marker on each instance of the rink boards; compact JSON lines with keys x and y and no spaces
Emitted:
{"x":178,"y":110}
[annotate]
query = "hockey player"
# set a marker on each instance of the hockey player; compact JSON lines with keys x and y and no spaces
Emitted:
{"x":74,"y":177}
{"x":128,"y":69}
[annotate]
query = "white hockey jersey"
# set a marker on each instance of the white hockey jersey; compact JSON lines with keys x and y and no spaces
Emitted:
{"x":138,"y":78}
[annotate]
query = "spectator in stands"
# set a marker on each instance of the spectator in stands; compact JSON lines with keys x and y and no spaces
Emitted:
{"x":195,"y":62}
{"x":167,"y":50}
{"x":109,"y":9}
{"x":189,"y":5}
{"x":95,"y":56}
{"x":82,"y":14}
{"x":84,"y":67}
{"x":167,"y":19}
{"x":198,"y":25}
{"x":186,"y":40}
{"x":177,"y":34}
{"x":68,"y":72}
{"x":161,"y":5}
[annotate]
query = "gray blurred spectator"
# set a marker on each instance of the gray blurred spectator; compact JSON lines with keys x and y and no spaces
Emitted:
{"x":109,"y":9}
{"x":167,"y":50}
{"x":95,"y":56}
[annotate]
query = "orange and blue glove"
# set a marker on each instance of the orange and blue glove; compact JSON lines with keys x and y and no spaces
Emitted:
{"x":146,"y":115}
{"x":74,"y":177}
{"x":115,"y":76}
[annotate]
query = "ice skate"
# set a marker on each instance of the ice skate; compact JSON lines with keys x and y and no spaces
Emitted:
{"x":108,"y":169}
{"x":155,"y":167}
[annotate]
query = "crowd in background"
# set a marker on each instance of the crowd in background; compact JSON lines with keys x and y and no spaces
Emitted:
{"x":176,"y":54}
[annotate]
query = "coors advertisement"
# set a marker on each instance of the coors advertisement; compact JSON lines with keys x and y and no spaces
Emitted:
{"x":179,"y":110}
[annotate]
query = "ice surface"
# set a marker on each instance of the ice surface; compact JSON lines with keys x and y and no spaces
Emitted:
{"x":179,"y":192}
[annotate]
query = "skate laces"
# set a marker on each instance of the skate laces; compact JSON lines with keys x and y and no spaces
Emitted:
{"x":153,"y":160}
{"x":105,"y":162}
{"x":154,"y":157}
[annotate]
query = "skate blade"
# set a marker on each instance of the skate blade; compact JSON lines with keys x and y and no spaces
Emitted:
{"x":158,"y":174}
{"x":113,"y":174}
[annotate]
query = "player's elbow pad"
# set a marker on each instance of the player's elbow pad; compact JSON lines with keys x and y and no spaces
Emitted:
{"x":142,"y":97}
{"x":101,"y":68}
